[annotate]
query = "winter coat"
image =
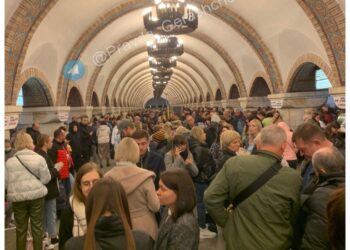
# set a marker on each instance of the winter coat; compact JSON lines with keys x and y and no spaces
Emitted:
{"x":171,"y":162}
{"x":59,"y":153}
{"x":109,"y":235}
{"x":142,"y":198}
{"x":20,"y":184}
{"x":315,"y":233}
{"x":86,"y":138}
{"x":74,"y":139}
{"x":34,"y":134}
{"x":182,"y":234}
{"x":154,"y":162}
{"x":204,"y":161}
{"x":103,"y":134}
{"x":265,"y":219}
{"x":52,"y":186}
{"x":224,"y":156}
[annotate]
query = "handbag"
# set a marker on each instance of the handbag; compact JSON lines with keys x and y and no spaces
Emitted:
{"x":27,"y":168}
{"x":258,"y":183}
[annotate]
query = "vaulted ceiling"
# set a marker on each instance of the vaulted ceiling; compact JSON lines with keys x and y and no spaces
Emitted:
{"x":236,"y":41}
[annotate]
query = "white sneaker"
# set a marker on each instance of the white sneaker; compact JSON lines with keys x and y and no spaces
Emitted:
{"x":204,"y":233}
{"x":47,"y":243}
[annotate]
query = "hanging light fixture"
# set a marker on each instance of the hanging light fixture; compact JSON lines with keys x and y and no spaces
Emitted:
{"x":162,"y":62}
{"x":166,"y":47}
{"x":172,"y":17}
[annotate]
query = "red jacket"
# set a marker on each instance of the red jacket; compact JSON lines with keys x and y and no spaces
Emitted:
{"x":59,"y":153}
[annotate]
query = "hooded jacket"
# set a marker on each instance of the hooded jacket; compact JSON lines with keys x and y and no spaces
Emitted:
{"x":20,"y":184}
{"x":141,"y":194}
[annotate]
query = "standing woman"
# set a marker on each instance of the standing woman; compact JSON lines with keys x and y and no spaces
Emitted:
{"x":73,"y":221}
{"x":44,"y":143}
{"x":109,"y":223}
{"x":255,"y":127}
{"x":178,"y":228}
{"x":180,"y":156}
{"x":138,"y":185}
{"x":25,"y":175}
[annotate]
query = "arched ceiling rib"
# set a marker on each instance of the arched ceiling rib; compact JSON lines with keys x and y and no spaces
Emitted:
{"x":146,"y":79}
{"x":266,"y":47}
{"x":131,"y":76}
{"x":183,"y":88}
{"x":145,"y":84}
{"x":145,"y":71}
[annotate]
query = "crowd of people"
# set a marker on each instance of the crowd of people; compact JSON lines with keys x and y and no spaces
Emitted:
{"x":158,"y":180}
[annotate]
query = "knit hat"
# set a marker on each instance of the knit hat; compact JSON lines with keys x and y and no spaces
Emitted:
{"x":124,"y":124}
{"x":159,"y":135}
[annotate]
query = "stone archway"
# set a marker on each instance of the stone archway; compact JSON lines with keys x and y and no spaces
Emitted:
{"x":74,"y":98}
{"x":259,"y":88}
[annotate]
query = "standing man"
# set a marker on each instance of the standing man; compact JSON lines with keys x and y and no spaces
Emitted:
{"x":34,"y":132}
{"x":309,"y":138}
{"x":126,"y":128}
{"x":86,"y":139}
{"x":265,"y":218}
{"x":59,"y":153}
{"x":148,"y":159}
{"x":329,"y":167}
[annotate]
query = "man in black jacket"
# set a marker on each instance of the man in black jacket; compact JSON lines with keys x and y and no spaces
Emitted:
{"x":34,"y":132}
{"x":148,"y":159}
{"x":85,"y":132}
{"x":329,"y":167}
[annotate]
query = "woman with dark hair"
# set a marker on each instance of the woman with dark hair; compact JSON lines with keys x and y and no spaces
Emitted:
{"x":44,"y":143}
{"x":73,"y":221}
{"x":178,"y":228}
{"x":108,"y":221}
{"x":180,"y":157}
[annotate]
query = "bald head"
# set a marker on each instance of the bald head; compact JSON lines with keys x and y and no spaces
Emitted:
{"x":328,"y":160}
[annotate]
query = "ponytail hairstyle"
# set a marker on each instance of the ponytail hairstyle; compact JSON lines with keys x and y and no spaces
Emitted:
{"x":107,"y":195}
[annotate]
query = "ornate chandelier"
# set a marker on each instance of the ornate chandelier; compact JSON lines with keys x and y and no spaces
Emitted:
{"x":162,"y":62}
{"x":172,"y":17}
{"x":165,"y":47}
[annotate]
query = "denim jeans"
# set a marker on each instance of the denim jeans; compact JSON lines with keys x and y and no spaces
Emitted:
{"x":200,"y":188}
{"x":67,"y":188}
{"x":23,"y":211}
{"x":49,"y":221}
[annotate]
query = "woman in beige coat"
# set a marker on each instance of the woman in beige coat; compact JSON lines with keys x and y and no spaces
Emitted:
{"x":138,"y":185}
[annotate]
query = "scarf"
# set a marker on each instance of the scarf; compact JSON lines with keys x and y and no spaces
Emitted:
{"x":79,"y":220}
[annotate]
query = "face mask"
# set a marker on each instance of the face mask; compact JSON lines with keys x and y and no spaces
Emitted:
{"x":184,"y":154}
{"x":7,"y":150}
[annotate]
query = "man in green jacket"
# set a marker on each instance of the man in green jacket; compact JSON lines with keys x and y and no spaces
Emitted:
{"x":265,"y":219}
